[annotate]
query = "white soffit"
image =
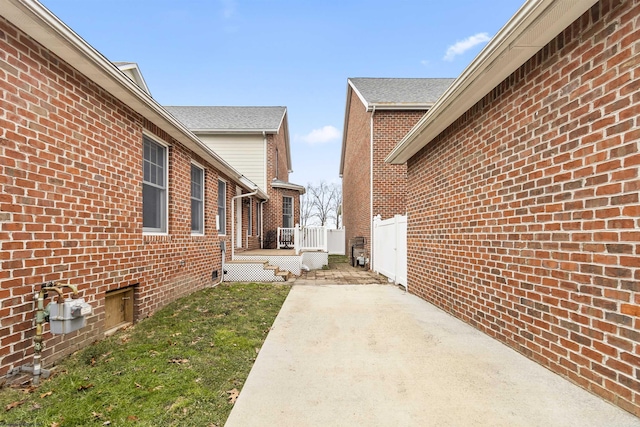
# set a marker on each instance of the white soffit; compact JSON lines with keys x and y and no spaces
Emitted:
{"x":533,"y":26}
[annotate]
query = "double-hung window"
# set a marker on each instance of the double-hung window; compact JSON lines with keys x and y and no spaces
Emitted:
{"x":222,"y":207}
{"x":287,"y":212}
{"x":154,"y":187}
{"x":197,"y":200}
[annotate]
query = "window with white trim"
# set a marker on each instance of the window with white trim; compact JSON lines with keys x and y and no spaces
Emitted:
{"x":197,"y":199}
{"x":154,"y":186}
{"x":222,"y":207}
{"x":287,"y":212}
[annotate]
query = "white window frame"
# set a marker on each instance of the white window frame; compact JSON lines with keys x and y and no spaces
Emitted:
{"x":164,"y":229}
{"x":292,"y":211}
{"x":222,"y":219}
{"x":203,"y":200}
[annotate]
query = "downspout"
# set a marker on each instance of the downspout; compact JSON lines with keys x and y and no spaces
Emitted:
{"x":266,"y":162}
{"x":264,"y":138}
{"x":233,"y":220}
{"x":373,"y":111}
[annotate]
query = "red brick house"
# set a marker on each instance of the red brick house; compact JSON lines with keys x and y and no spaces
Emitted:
{"x":255,"y":141}
{"x":523,"y":183}
{"x":100,"y":187}
{"x":379,"y":112}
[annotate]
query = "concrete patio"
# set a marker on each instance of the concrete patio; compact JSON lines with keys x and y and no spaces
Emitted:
{"x":353,"y":355}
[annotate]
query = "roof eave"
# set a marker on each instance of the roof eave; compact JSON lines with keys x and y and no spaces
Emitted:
{"x":534,"y":25}
{"x":289,"y":186}
{"x":284,"y":124}
{"x":233,"y":131}
{"x":404,"y":106}
{"x":44,"y":27}
{"x":344,"y":128}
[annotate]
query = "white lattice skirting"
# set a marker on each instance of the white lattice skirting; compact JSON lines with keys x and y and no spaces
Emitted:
{"x":250,"y":272}
{"x":284,"y":263}
{"x":315,"y":260}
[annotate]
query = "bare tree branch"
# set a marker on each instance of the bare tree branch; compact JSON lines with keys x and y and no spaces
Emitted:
{"x":321,"y":198}
{"x":336,"y":204}
{"x":306,"y":208}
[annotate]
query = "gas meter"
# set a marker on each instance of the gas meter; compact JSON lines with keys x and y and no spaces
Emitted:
{"x":68,"y":316}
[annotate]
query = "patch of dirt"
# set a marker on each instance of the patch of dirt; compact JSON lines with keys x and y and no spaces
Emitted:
{"x":341,"y":273}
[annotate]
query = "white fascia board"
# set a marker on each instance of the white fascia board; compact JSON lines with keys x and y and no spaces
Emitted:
{"x":44,"y":27}
{"x":138,"y":77}
{"x":284,"y":124}
{"x":362,"y":99}
{"x":533,"y":26}
{"x":345,"y":127}
{"x":289,"y":186}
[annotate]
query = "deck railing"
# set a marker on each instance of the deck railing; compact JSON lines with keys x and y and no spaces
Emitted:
{"x":286,"y":238}
{"x":303,"y":238}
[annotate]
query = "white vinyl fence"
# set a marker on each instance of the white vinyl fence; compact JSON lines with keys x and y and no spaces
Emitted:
{"x":390,"y":248}
{"x":335,"y":242}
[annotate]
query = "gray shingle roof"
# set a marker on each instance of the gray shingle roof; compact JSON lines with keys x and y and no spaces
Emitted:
{"x":396,"y":92}
{"x":229,"y":118}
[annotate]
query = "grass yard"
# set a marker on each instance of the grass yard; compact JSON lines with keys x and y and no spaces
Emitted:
{"x":338,"y":259}
{"x":183,"y":366}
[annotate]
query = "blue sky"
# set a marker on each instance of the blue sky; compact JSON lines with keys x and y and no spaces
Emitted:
{"x":297,"y":54}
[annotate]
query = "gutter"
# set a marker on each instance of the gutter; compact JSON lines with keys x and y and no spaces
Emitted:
{"x":532,"y":27}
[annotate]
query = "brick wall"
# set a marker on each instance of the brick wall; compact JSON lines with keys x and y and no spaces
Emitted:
{"x":524,"y":214}
{"x":356,"y":174}
{"x":71,"y":202}
{"x":273,"y":215}
{"x":389,"y":181}
{"x":273,"y":208}
{"x":277,"y":141}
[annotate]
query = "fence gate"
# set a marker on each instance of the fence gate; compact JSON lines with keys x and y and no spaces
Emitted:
{"x":335,"y":242}
{"x":390,"y":248}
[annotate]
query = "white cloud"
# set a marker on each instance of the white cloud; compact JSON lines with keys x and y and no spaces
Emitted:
{"x":424,"y":62}
{"x":464,"y":45}
{"x":322,"y":135}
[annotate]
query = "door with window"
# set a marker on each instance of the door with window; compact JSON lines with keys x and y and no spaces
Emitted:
{"x":287,"y":212}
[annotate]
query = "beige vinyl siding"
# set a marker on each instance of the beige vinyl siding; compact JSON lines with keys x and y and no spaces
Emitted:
{"x":244,"y":152}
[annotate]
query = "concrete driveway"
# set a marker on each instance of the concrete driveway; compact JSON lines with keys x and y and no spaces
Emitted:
{"x":373,"y":355}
